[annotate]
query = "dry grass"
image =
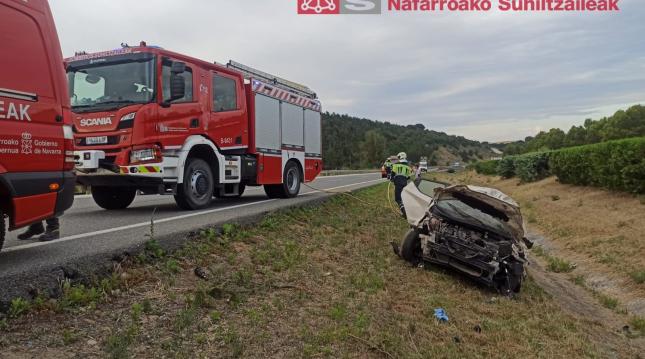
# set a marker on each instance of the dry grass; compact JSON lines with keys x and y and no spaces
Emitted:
{"x":598,"y":230}
{"x":318,"y":282}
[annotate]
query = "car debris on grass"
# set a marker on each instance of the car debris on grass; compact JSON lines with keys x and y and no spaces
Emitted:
{"x":478,"y":231}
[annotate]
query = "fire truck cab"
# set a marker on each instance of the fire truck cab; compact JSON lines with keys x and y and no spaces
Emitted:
{"x":151,"y":121}
{"x":36,"y":139}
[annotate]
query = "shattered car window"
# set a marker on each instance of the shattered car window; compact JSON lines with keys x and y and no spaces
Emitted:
{"x":470,"y":215}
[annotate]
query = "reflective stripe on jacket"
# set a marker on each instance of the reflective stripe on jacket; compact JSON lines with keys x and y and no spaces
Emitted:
{"x":402,"y":169}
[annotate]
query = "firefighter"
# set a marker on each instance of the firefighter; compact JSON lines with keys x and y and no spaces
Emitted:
{"x":401,"y":173}
{"x":388,"y":167}
{"x":44,"y":234}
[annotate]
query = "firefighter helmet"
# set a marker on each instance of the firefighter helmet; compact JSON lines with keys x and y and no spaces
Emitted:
{"x":402,"y":156}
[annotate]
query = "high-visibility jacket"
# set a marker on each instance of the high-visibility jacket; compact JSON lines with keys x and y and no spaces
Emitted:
{"x":402,"y":169}
{"x":388,"y":164}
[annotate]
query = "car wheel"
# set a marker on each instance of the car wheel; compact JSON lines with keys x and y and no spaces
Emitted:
{"x":411,"y":246}
{"x":197,"y":190}
{"x":509,"y":279}
{"x":113,"y":198}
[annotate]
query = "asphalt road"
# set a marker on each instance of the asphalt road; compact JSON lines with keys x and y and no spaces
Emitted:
{"x":88,"y":231}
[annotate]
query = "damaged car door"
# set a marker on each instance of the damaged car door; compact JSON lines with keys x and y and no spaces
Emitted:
{"x":475,"y":230}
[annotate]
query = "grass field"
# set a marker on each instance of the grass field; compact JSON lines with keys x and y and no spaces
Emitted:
{"x":311,"y":282}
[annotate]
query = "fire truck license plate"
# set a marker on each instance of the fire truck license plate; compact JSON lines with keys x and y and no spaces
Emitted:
{"x":96,"y":140}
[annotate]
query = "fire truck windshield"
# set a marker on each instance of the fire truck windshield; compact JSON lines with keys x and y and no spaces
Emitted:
{"x":105,"y":85}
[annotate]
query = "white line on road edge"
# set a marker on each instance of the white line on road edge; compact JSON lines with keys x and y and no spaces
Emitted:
{"x":349,"y":175}
{"x":317,"y":178}
{"x":162,"y":220}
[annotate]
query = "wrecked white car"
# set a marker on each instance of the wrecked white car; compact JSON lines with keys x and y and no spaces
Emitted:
{"x":475,"y":230}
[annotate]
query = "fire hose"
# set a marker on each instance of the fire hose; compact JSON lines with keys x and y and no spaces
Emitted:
{"x":358,"y":199}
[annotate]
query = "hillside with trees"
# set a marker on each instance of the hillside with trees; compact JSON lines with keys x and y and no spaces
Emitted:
{"x":351,"y":143}
{"x":623,"y":124}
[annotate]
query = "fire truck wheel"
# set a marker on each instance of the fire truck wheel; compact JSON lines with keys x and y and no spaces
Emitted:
{"x":291,"y":181}
{"x":197,"y":190}
{"x":290,"y":186}
{"x":241,"y":190}
{"x":112,"y":198}
{"x":273,"y":190}
{"x":1,"y":229}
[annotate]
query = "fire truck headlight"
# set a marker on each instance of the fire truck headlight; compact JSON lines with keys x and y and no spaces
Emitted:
{"x":127,"y":121}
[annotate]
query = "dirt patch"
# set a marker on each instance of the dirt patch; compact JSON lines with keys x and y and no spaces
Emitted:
{"x":603,"y":324}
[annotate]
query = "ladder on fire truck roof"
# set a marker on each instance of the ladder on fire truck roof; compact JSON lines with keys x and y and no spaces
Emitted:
{"x":287,"y":85}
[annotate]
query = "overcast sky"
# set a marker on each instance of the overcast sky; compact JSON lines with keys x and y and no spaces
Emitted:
{"x":487,"y":76}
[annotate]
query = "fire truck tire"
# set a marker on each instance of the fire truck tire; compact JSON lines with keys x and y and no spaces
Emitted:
{"x":290,"y":187}
{"x":197,"y":190}
{"x":112,"y":198}
{"x":241,"y":190}
{"x":2,"y":229}
{"x":273,"y":190}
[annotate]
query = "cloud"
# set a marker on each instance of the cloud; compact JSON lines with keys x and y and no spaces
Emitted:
{"x":492,"y":76}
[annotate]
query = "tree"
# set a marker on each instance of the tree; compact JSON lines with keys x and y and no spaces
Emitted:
{"x":622,"y":124}
{"x":576,"y":136}
{"x":347,"y":144}
{"x":373,"y":149}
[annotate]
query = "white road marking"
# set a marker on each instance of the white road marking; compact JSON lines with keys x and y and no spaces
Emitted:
{"x":350,"y":175}
{"x":163,"y":220}
{"x":317,"y":178}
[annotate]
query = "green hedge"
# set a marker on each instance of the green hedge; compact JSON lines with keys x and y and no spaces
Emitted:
{"x":532,"y":167}
{"x":617,"y":165}
{"x":486,"y":167}
{"x":506,"y":167}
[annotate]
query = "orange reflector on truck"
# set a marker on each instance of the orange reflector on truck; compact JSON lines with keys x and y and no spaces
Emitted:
{"x":54,"y":186}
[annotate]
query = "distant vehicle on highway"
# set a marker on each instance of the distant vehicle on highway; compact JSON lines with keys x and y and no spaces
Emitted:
{"x":36,"y":139}
{"x":152,"y":121}
{"x":392,"y":159}
{"x":423,"y":164}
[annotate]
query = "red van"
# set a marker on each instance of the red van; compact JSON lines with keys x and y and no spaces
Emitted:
{"x":36,"y":137}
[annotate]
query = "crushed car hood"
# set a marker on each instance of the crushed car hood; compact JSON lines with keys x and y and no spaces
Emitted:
{"x":418,"y":203}
{"x":492,"y":197}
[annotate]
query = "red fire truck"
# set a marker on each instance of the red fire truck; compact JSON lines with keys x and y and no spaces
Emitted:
{"x":151,"y":121}
{"x":36,"y":139}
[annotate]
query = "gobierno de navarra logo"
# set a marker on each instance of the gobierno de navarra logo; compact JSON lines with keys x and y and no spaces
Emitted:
{"x":329,"y":7}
